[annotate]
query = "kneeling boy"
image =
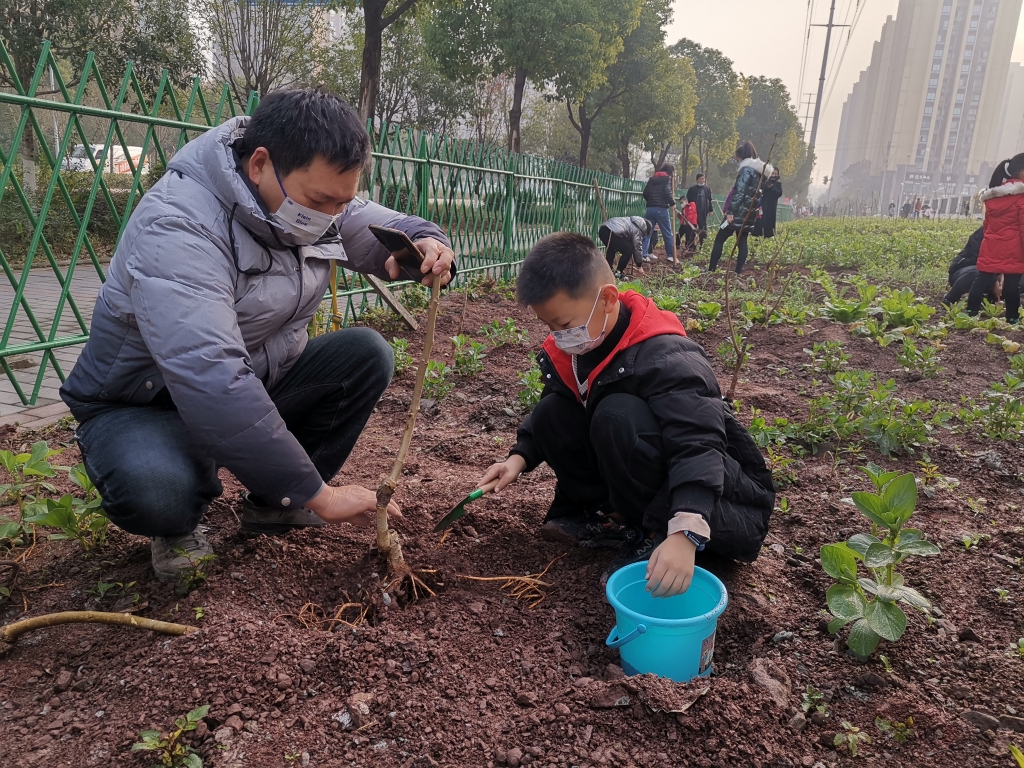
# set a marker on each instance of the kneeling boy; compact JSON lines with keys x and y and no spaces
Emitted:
{"x":633,"y":423}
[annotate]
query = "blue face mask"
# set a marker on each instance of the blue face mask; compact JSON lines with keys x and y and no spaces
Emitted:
{"x":576,"y":340}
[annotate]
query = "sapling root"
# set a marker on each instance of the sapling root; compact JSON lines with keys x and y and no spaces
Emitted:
{"x":527,"y":588}
{"x":388,"y":543}
{"x":10,"y":633}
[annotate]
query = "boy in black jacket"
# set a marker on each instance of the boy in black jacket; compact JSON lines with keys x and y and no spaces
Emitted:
{"x":633,"y":423}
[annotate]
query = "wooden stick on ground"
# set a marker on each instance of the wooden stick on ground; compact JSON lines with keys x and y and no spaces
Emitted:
{"x":11,"y":632}
{"x":387,"y":540}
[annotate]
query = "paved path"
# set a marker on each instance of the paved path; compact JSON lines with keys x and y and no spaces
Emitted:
{"x":42,"y":292}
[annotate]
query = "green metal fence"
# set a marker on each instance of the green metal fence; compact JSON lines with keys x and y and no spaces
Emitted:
{"x":75,"y":159}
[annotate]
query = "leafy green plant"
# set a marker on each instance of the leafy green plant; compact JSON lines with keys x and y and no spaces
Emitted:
{"x":415,"y":296}
{"x":1000,"y":416}
{"x":77,"y":519}
{"x":813,"y":699}
{"x":438,"y":383}
{"x":171,"y":751}
{"x":403,"y":360}
{"x":469,"y":355}
{"x":532,"y":385}
{"x":972,"y":540}
{"x":847,"y":310}
{"x":195,"y":575}
{"x":11,"y":533}
{"x":1017,"y":755}
{"x":899,"y":731}
{"x":1008,"y":345}
{"x":1002,"y":594}
{"x":871,"y":603}
{"x":668,"y":302}
{"x":500,"y":334}
{"x":923,"y":360}
{"x":783,"y":468}
{"x":727,"y":350}
{"x":902,"y":309}
{"x":828,"y":357}
{"x":1018,"y":648}
{"x":28,"y":473}
{"x":852,"y":737}
{"x":707,"y":314}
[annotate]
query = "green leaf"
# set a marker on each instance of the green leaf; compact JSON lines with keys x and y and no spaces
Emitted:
{"x":198,"y":713}
{"x":913,"y":598}
{"x":868,"y":585}
{"x":9,"y":529}
{"x":887,"y":594}
{"x":192,"y":761}
{"x":900,"y":497}
{"x":845,"y":602}
{"x":922,"y":548}
{"x":879,"y":556}
{"x":872,"y":507}
{"x":863,"y":639}
{"x":861,"y":542}
{"x":911,"y":534}
{"x":838,"y":562}
{"x":887,"y":619}
{"x":836,"y":624}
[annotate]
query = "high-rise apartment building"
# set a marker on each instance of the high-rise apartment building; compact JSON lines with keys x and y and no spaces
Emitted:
{"x":930,"y":106}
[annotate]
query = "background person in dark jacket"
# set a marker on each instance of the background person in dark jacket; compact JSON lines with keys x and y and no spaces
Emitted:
{"x":741,"y":205}
{"x":964,"y":269}
{"x":625,"y":235}
{"x":633,"y":423}
{"x":770,"y":193}
{"x":198,"y":356}
{"x":700,"y":195}
{"x":659,"y":196}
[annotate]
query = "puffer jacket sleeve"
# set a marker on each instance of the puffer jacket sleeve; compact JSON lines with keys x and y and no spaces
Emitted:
{"x":365,"y":253}
{"x":182,"y":296}
{"x":745,"y":197}
{"x":681,"y":390}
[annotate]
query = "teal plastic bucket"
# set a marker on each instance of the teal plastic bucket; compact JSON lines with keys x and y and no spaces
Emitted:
{"x":672,"y":637}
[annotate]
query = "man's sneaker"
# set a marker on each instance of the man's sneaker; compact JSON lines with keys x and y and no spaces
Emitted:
{"x":174,"y":556}
{"x":633,"y":550}
{"x":587,"y":530}
{"x":259,"y":518}
{"x":670,"y":260}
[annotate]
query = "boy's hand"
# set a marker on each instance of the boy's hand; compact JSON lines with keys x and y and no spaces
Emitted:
{"x":670,"y":568}
{"x":505,"y":472}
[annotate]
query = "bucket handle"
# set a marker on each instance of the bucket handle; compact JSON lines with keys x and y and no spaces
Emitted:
{"x":612,"y":643}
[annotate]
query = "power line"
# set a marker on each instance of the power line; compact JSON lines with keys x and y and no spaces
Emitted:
{"x":824,"y":69}
{"x":806,"y":48}
{"x":842,"y":56}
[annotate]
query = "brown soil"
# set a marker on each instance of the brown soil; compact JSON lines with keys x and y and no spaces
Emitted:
{"x":474,"y":677}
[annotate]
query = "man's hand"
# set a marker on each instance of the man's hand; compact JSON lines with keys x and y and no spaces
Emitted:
{"x":349,"y":504}
{"x":670,"y":569}
{"x":437,"y":260}
{"x":730,"y":218}
{"x":505,"y":472}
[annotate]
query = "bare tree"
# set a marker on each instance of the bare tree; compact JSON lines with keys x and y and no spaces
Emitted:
{"x":260,"y":45}
{"x":376,"y":19}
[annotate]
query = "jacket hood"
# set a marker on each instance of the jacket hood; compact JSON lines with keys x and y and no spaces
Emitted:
{"x":645,"y":322}
{"x":1008,"y":188}
{"x":660,"y":173}
{"x":758,"y":165}
{"x":211,"y":161}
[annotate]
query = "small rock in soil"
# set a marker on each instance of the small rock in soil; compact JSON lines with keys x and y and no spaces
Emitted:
{"x":223,"y":735}
{"x":470,"y":531}
{"x":781,"y":637}
{"x":818,"y":718}
{"x":981,"y":719}
{"x":308,"y":666}
{"x":799,"y":722}
{"x":968,"y":635}
{"x":563,"y":711}
{"x":870,"y":681}
{"x":358,"y":705}
{"x":234,"y":722}
{"x":63,"y":681}
{"x":957,"y":691}
{"x":792,"y":562}
{"x":613,"y":672}
{"x":514,"y":757}
{"x":610,"y":696}
{"x":1013,"y":723}
{"x":526,"y":700}
{"x":476,"y":608}
{"x":773,"y":680}
{"x":491,"y":682}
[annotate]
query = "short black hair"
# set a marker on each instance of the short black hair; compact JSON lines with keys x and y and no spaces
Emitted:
{"x":668,"y":168}
{"x":296,"y":125}
{"x":563,"y":262}
{"x":701,"y":176}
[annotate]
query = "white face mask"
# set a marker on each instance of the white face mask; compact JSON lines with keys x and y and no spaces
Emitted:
{"x":577,"y":341}
{"x":302,"y":223}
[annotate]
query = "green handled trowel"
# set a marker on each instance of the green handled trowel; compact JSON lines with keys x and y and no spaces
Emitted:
{"x":460,"y":509}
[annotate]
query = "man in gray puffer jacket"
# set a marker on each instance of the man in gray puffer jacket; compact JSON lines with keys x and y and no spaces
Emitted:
{"x":198,"y":356}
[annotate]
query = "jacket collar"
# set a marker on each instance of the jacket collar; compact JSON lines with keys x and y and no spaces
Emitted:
{"x":1013,"y":187}
{"x":758,"y":165}
{"x":645,"y":322}
{"x":661,"y":173}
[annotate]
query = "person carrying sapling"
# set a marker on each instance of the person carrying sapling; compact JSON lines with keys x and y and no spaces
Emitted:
{"x":647,"y":454}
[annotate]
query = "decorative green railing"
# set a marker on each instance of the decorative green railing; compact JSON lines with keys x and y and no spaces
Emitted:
{"x":75,"y":161}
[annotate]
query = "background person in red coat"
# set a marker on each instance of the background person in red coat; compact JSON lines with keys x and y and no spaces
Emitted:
{"x":1002,"y":249}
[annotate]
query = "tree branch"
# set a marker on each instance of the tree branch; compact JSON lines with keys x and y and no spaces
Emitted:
{"x":395,"y":15}
{"x":568,"y":105}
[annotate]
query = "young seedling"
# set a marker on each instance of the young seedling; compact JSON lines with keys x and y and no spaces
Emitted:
{"x":922,"y":362}
{"x":403,"y":360}
{"x":1002,"y":594}
{"x":828,"y":357}
{"x":886,"y":665}
{"x":872,"y":604}
{"x":28,"y":472}
{"x":437,"y":384}
{"x":972,"y":540}
{"x":813,"y":699}
{"x":899,"y":731}
{"x":1017,"y":755}
{"x":469,"y":356}
{"x":195,"y":575}
{"x":388,"y":543}
{"x":500,"y":334}
{"x":532,"y":383}
{"x":707,"y":313}
{"x":852,"y":737}
{"x":82,"y":521}
{"x":170,"y":750}
{"x":1018,"y":648}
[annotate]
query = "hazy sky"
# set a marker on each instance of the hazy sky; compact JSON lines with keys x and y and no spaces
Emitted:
{"x":765,"y":37}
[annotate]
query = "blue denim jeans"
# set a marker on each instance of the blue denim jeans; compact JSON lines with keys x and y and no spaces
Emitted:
{"x":663,"y":220}
{"x":156,"y":482}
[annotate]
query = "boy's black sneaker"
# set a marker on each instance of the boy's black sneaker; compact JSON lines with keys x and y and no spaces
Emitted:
{"x":633,"y":550}
{"x":588,"y":530}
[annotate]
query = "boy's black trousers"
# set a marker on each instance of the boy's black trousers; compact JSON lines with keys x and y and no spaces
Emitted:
{"x":613,"y":459}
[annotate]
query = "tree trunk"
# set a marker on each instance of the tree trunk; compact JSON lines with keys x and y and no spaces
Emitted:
{"x":684,"y":161}
{"x":515,"y":115}
{"x":663,"y":155}
{"x":369,"y":80}
{"x":624,"y":158}
{"x":28,"y":164}
{"x":586,"y":123}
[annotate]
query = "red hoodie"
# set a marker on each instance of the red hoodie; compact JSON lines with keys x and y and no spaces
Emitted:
{"x":1002,"y":249}
{"x":645,"y":322}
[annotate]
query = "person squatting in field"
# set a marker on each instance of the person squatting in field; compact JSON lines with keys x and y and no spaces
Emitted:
{"x":624,"y":235}
{"x":1002,"y":248}
{"x":648,"y":455}
{"x":198,"y":356}
{"x":964,"y":268}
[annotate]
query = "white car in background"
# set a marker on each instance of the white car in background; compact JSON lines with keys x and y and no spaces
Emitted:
{"x":116,"y":162}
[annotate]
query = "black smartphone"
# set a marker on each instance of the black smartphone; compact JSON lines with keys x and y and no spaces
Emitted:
{"x":406,"y":253}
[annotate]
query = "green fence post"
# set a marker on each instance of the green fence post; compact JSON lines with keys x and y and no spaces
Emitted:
{"x":508,"y":221}
{"x":422,"y":177}
{"x":559,"y":202}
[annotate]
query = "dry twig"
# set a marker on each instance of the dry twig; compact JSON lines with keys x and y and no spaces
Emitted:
{"x":10,"y":633}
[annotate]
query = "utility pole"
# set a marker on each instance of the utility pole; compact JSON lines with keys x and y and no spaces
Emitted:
{"x":806,"y":104}
{"x":824,"y":66}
